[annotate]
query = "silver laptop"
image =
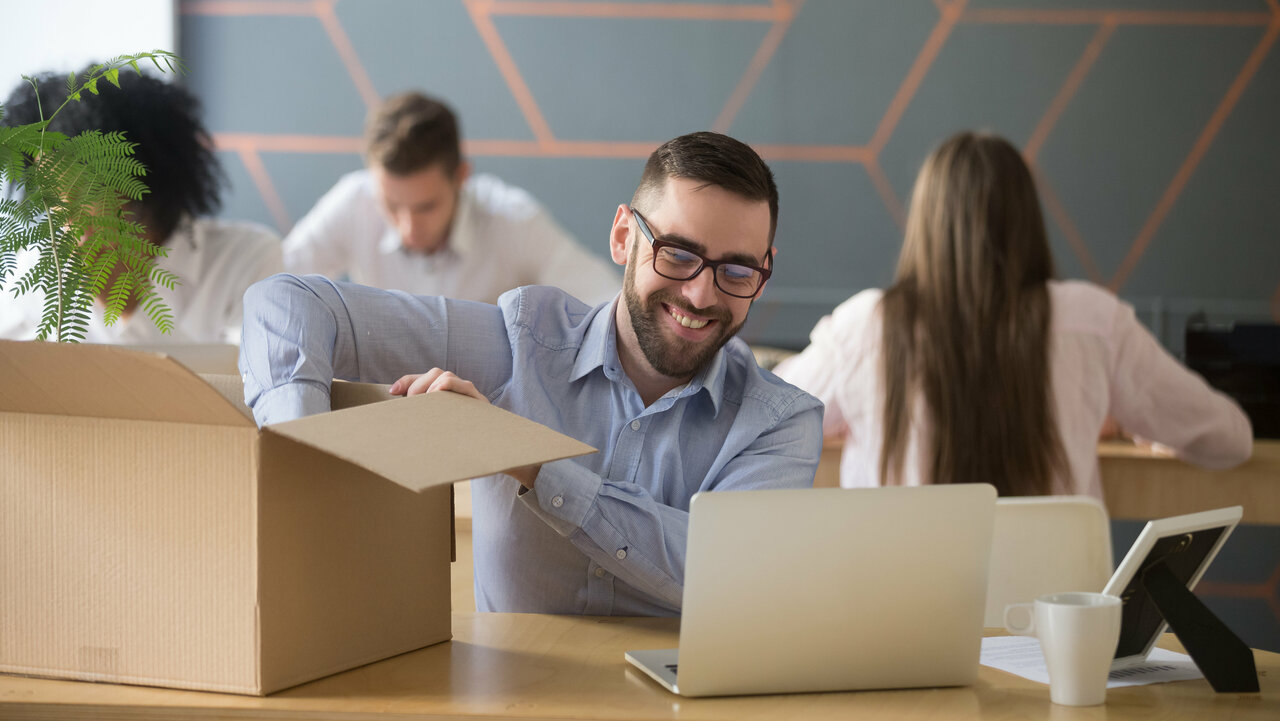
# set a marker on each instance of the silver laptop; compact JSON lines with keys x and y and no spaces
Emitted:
{"x":830,"y":590}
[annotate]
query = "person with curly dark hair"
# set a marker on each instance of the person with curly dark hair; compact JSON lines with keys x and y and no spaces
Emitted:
{"x":215,"y":260}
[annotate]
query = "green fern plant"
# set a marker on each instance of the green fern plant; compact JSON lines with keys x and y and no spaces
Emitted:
{"x":66,"y":200}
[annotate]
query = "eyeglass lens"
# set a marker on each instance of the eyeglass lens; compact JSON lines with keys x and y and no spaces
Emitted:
{"x":677,"y":264}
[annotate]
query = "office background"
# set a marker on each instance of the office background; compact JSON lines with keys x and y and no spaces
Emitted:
{"x":1150,"y":124}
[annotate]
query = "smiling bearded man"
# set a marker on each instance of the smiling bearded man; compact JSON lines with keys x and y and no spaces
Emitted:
{"x":655,"y":379}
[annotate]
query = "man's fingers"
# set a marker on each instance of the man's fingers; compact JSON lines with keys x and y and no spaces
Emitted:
{"x":449,"y":382}
{"x":424,"y":382}
{"x":400,"y":386}
{"x":414,"y":383}
{"x":434,"y":380}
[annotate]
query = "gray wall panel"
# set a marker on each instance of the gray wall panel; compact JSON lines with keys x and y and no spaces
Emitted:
{"x":241,"y":200}
{"x":1224,"y":231}
{"x":835,"y":72}
{"x":269,"y":74}
{"x":582,"y":194}
{"x":305,"y":177}
{"x":1121,"y":141}
{"x":629,"y":79}
{"x":432,"y":42}
{"x":613,"y":79}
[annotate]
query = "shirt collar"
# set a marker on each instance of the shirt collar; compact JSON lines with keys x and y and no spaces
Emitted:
{"x":600,"y":350}
{"x":599,"y":347}
{"x":711,"y":380}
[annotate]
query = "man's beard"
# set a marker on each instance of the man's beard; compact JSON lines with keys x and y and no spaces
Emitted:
{"x":673,"y":357}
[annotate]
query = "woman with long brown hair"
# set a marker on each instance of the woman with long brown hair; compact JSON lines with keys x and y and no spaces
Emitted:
{"x":976,"y":366}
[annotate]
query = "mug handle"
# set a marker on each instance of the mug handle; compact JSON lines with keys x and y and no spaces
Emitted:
{"x":1027,"y":630}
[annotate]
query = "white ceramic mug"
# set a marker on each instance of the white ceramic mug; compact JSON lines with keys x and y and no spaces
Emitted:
{"x":1078,"y":634}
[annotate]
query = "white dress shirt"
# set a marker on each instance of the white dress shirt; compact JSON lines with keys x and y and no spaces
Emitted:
{"x":215,"y":261}
{"x":1102,"y":361}
{"x":501,"y":239}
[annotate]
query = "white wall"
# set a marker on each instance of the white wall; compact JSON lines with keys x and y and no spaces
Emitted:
{"x":66,"y":35}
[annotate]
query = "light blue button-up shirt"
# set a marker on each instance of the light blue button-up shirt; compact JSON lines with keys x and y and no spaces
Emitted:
{"x":600,"y":534}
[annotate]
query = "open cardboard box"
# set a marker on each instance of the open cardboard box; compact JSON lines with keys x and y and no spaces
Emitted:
{"x":150,"y":533}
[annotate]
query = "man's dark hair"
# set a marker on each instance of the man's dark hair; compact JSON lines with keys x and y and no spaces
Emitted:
{"x":714,"y":159}
{"x":411,"y":132}
{"x":163,"y":119}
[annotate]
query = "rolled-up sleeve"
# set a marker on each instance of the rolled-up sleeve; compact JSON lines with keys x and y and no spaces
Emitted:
{"x":1156,"y":398}
{"x":623,"y":528}
{"x":300,"y":333}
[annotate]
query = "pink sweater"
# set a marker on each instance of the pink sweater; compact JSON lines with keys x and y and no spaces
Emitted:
{"x":1102,"y":361}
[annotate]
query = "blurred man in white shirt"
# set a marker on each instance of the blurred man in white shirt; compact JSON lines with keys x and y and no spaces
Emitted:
{"x":416,"y":219}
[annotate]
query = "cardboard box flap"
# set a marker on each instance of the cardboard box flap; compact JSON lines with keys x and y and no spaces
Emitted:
{"x":202,"y":358}
{"x":343,"y":394}
{"x":431,"y":439}
{"x":231,"y":388}
{"x":102,"y":381}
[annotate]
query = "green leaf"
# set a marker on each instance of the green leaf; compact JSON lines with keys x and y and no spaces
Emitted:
{"x":69,"y":209}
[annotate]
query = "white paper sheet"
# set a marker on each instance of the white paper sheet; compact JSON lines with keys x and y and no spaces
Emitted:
{"x":1021,"y":656}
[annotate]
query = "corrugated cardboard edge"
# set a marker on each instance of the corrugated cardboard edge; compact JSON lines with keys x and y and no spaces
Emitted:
{"x":343,"y":394}
{"x":140,"y":545}
{"x":300,"y":679}
{"x":330,"y":529}
{"x":431,"y":439}
{"x":157,"y":682}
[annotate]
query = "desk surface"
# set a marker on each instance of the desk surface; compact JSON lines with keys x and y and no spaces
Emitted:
{"x":543,"y":667}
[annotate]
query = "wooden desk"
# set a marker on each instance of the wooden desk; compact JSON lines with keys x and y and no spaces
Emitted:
{"x":543,"y":667}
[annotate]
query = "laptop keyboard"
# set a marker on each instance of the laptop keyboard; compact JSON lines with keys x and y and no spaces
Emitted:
{"x":672,"y":668}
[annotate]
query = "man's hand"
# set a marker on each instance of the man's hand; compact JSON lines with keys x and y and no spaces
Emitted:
{"x":437,"y":379}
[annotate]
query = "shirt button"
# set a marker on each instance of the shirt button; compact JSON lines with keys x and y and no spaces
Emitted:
{"x":557,"y":501}
{"x":621,"y":554}
{"x":635,"y":425}
{"x":600,"y":573}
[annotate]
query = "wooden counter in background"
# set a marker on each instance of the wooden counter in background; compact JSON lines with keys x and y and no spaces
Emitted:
{"x":828,"y":475}
{"x":1141,"y":484}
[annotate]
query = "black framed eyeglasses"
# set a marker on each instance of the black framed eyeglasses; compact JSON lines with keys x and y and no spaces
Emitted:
{"x":677,"y":262}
